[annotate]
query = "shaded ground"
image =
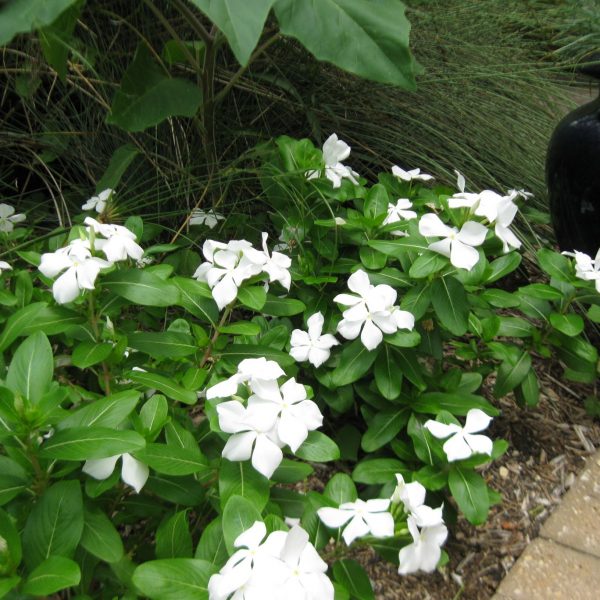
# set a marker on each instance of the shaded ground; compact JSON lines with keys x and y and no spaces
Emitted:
{"x":547,"y":449}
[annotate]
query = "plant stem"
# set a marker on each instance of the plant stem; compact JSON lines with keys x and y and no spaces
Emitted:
{"x":94,"y":323}
{"x":216,"y":334}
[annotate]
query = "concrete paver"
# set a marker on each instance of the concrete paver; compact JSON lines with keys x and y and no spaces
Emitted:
{"x":550,"y":571}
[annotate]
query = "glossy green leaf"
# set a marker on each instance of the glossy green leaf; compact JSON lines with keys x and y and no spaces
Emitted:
{"x":384,"y":427}
{"x":164,"y":344}
{"x":353,"y":577}
{"x":196,"y":298}
{"x":253,"y":297}
{"x":450,"y":303}
{"x":87,"y":354}
{"x":555,"y":264}
{"x":282,"y":307}
{"x":428,"y":263}
{"x":242,"y":479}
{"x":527,"y":393}
{"x":355,"y":361}
{"x":140,"y":286}
{"x":171,"y":460}
{"x":291,"y":471}
{"x":502,"y":266}
{"x":54,"y":574}
{"x":165,"y":385}
{"x":239,"y":515}
{"x":173,"y":538}
{"x":120,"y":160}
{"x":211,"y":546}
{"x":378,"y":470}
{"x":100,"y":537}
{"x":570,"y":324}
{"x":105,"y":412}
{"x":318,"y":448}
{"x":510,"y":374}
{"x":241,"y":328}
{"x":340,"y":488}
{"x":388,"y":377}
{"x":458,"y":403}
{"x":17,"y":322}
{"x":12,"y":551}
{"x":242,"y":351}
{"x":470,"y":492}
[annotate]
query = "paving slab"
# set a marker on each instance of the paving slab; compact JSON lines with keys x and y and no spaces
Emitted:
{"x":550,"y":571}
{"x":576,"y":522}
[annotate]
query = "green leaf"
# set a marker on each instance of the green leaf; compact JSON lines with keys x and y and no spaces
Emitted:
{"x":211,"y":546}
{"x":570,"y":325}
{"x":318,"y":448}
{"x":542,"y":291}
{"x":243,"y":351}
{"x":165,"y":344}
{"x":55,"y":524}
{"x":555,"y":264}
{"x":450,"y":303}
{"x":100,"y":537}
{"x":87,"y":354}
{"x":353,"y":36}
{"x":173,"y":539}
{"x":378,"y":470}
{"x":241,"y":328}
{"x":428,"y":263}
{"x":154,"y":414}
{"x":502,"y":266}
{"x":147,"y":96}
{"x":514,"y":327}
{"x":527,"y":393}
{"x":417,"y":300}
{"x":7,"y":584}
{"x":13,"y":479}
{"x":22,"y":16}
{"x":11,"y":552}
{"x":106,"y":412}
{"x":340,"y":488}
{"x":510,"y":374}
{"x":355,"y":361}
{"x":56,"y":40}
{"x":470,"y":492}
{"x":171,"y":460}
{"x":384,"y":427}
{"x":353,"y":577}
{"x":119,"y":161}
{"x":239,"y":515}
{"x":54,"y":574}
{"x":88,"y":443}
{"x":401,"y":247}
{"x":291,"y":471}
{"x":197,"y":299}
{"x":422,"y":440}
{"x":282,"y":307}
{"x":376,"y":201}
{"x":408,"y":364}
{"x":500,"y":298}
{"x":253,"y":297}
{"x":165,"y":385}
{"x":403,"y":339}
{"x":372,"y":259}
{"x":388,"y":377}
{"x":174,"y":579}
{"x":240,"y":21}
{"x":455,"y":403}
{"x":31,"y":368}
{"x":142,"y":287}
{"x":241,"y":479}
{"x":17,"y":321}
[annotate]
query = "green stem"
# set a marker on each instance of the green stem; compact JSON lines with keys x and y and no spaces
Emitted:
{"x":94,"y":323}
{"x":216,"y":334}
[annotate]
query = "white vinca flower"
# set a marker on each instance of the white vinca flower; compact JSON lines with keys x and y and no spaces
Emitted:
{"x":8,"y":218}
{"x":248,"y":370}
{"x":458,"y":246}
{"x":276,"y":265}
{"x":412,"y":175}
{"x":99,"y":202}
{"x":4,"y":266}
{"x":334,"y":152}
{"x":79,"y":266}
{"x":290,"y":410}
{"x":505,"y":216}
{"x":119,"y":244}
{"x":586,"y":268}
{"x":255,"y":435}
{"x":227,"y":266}
{"x":363,"y":518}
{"x":412,"y":495}
{"x":463,"y":442}
{"x":208,"y":218}
{"x":426,"y":549}
{"x":311,"y":345}
{"x":371,"y":312}
{"x":399,"y":212}
{"x":133,"y":472}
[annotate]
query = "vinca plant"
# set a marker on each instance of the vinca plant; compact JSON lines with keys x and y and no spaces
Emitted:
{"x":160,"y":425}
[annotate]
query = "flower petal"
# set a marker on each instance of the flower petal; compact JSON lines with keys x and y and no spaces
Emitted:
{"x":224,"y":292}
{"x":315,"y":325}
{"x":355,"y":529}
{"x":239,"y":446}
{"x":381,"y":524}
{"x":430,"y":225}
{"x":267,"y":456}
{"x":463,"y":256}
{"x":334,"y":517}
{"x":371,"y":335}
{"x":441,"y":430}
{"x":476,"y":421}
{"x":134,"y":472}
{"x":101,"y":468}
{"x":472,"y":233}
{"x":456,"y":448}
{"x":251,"y":538}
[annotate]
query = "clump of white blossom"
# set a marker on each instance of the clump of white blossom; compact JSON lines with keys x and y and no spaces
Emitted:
{"x":8,"y":218}
{"x":334,"y":152}
{"x":586,"y":267}
{"x":98,"y":202}
{"x":312,"y":345}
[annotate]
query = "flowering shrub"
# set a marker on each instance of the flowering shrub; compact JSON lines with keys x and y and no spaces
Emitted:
{"x":159,"y":430}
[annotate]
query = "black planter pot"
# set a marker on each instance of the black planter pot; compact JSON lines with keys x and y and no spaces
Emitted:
{"x":573,"y":177}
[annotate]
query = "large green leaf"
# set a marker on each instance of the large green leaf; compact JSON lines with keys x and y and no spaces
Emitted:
{"x":241,"y":21}
{"x":162,"y":344}
{"x":17,"y":321}
{"x":458,"y":403}
{"x":173,"y":539}
{"x":355,"y":361}
{"x":87,"y":354}
{"x":388,"y":376}
{"x":510,"y":374}
{"x":100,"y":536}
{"x":242,"y":351}
{"x":89,"y":443}
{"x":174,"y":579}
{"x":165,"y":385}
{"x":119,"y":161}
{"x":450,"y":303}
{"x":366,"y":39}
{"x":197,"y":299}
{"x":354,"y":578}
{"x":317,"y":447}
{"x":142,"y":287}
{"x":54,"y":574}
{"x":105,"y":412}
{"x":172,"y":460}
{"x":22,"y":16}
{"x":239,"y":515}
{"x":470,"y":492}
{"x":31,"y":368}
{"x":148,"y":96}
{"x":384,"y":427}
{"x":55,"y":524}
{"x":241,"y":479}
{"x":378,"y":470}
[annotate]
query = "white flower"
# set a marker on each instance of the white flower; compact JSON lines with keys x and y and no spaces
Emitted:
{"x":506,"y":213}
{"x":276,"y":265}
{"x":227,"y":266}
{"x":399,"y":212}
{"x":463,"y":443}
{"x":370,"y":517}
{"x":249,"y":369}
{"x":586,"y":268}
{"x":412,"y":175}
{"x":512,"y":194}
{"x":81,"y":269}
{"x":462,"y":199}
{"x":208,"y":218}
{"x":412,"y":495}
{"x":457,"y":245}
{"x":334,"y":152}
{"x":133,"y":472}
{"x":98,"y":202}
{"x":255,"y":435}
{"x":311,"y":345}
{"x":119,"y":244}
{"x":425,"y":551}
{"x":8,"y":218}
{"x":372,"y":311}
{"x":4,"y":266}
{"x":295,"y":415}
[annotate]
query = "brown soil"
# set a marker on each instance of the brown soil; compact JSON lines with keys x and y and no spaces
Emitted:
{"x":548,"y":445}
